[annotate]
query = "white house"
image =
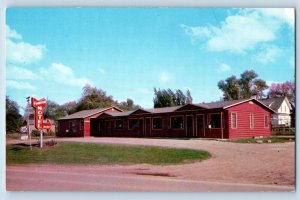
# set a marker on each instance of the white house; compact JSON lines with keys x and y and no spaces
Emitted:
{"x":283,"y":110}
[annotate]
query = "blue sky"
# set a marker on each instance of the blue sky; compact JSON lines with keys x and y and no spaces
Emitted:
{"x":54,"y":52}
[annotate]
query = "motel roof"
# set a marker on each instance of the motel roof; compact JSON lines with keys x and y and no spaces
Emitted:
{"x":228,"y":104}
{"x":213,"y":105}
{"x":86,"y":113}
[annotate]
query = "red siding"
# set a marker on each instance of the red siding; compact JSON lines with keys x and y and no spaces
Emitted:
{"x":243,"y":129}
{"x":84,"y":131}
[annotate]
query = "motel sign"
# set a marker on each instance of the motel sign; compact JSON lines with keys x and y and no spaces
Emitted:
{"x":39,"y":106}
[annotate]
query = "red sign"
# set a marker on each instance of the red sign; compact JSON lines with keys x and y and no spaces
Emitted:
{"x":39,"y":106}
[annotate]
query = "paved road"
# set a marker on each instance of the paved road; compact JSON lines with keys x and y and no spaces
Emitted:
{"x":233,"y":167}
{"x":56,"y":178}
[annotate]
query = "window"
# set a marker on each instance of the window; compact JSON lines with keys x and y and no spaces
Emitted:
{"x":233,"y":120}
{"x":72,"y":127}
{"x":133,"y":124}
{"x":157,"y":123}
{"x":215,"y":120}
{"x":177,"y":122}
{"x":251,"y":120}
{"x":266,"y":121}
{"x":81,"y":125}
{"x":119,"y":124}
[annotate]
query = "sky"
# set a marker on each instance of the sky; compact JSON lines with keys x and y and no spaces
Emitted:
{"x":54,"y":52}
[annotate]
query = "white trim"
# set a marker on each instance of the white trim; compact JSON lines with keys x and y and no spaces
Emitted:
{"x":251,"y":119}
{"x":267,"y":121}
{"x":235,"y":120}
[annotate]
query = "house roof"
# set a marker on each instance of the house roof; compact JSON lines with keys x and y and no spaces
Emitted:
{"x":227,"y":104}
{"x":274,"y":103}
{"x":86,"y":113}
{"x":163,"y":110}
{"x":119,"y":114}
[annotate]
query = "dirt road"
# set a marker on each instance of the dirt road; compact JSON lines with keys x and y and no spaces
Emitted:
{"x":233,"y":167}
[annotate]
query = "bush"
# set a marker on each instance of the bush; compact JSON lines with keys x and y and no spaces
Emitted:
{"x":283,"y":131}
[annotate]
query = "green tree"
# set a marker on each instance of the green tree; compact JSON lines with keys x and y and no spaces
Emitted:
{"x":244,"y":87}
{"x":93,"y":98}
{"x":13,"y":117}
{"x":54,"y":111}
{"x":128,"y":105}
{"x":230,"y":88}
{"x":259,"y":86}
{"x":189,"y":98}
{"x":168,"y":98}
{"x":246,"y":80}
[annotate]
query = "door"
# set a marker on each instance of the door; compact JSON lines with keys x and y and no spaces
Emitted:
{"x":189,"y":126}
{"x":141,"y":127}
{"x":200,"y":126}
{"x":148,"y":127}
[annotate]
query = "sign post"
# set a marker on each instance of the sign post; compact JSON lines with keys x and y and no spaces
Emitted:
{"x":39,"y":122}
{"x":28,"y":125}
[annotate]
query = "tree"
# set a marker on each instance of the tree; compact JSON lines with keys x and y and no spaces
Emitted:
{"x":245,"y":82}
{"x":259,"y":86}
{"x":93,"y":98}
{"x":230,"y":88}
{"x":286,"y":89}
{"x":54,"y":111}
{"x":168,"y":98}
{"x":69,"y":107}
{"x":128,"y":105}
{"x":13,"y":117}
{"x":189,"y":98}
{"x":244,"y":87}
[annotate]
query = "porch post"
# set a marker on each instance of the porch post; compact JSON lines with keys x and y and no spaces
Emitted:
{"x":222,"y":125}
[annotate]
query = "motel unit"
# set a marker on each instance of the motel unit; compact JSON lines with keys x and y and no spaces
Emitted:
{"x":78,"y":124}
{"x":226,"y":119}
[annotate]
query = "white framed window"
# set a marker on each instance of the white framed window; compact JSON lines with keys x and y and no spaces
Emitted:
{"x":177,"y":122}
{"x":266,"y":121}
{"x":251,"y":120}
{"x":233,"y":120}
{"x":133,"y":124}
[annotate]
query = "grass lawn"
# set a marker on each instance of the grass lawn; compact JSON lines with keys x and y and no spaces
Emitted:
{"x":102,"y":154}
{"x":265,"y":140}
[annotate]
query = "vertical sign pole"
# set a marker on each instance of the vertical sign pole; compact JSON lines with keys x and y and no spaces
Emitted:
{"x":41,"y":135}
{"x":28,"y":125}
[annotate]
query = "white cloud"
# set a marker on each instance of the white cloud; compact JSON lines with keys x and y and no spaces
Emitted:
{"x":241,"y":32}
{"x":196,"y":33}
{"x":21,"y":52}
{"x":164,"y":77}
{"x":11,"y":33}
{"x":268,"y":54}
{"x":223,"y":67}
{"x":101,"y":70}
{"x":19,"y":73}
{"x":286,"y":15}
{"x":19,"y":85}
{"x":64,"y":75}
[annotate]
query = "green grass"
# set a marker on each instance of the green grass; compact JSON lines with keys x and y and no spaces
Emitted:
{"x":265,"y":140}
{"x":101,"y":154}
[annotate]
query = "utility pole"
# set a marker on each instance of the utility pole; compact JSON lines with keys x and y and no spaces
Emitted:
{"x":28,"y":114}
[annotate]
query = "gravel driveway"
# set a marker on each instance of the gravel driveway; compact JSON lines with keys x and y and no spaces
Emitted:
{"x":233,"y":167}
